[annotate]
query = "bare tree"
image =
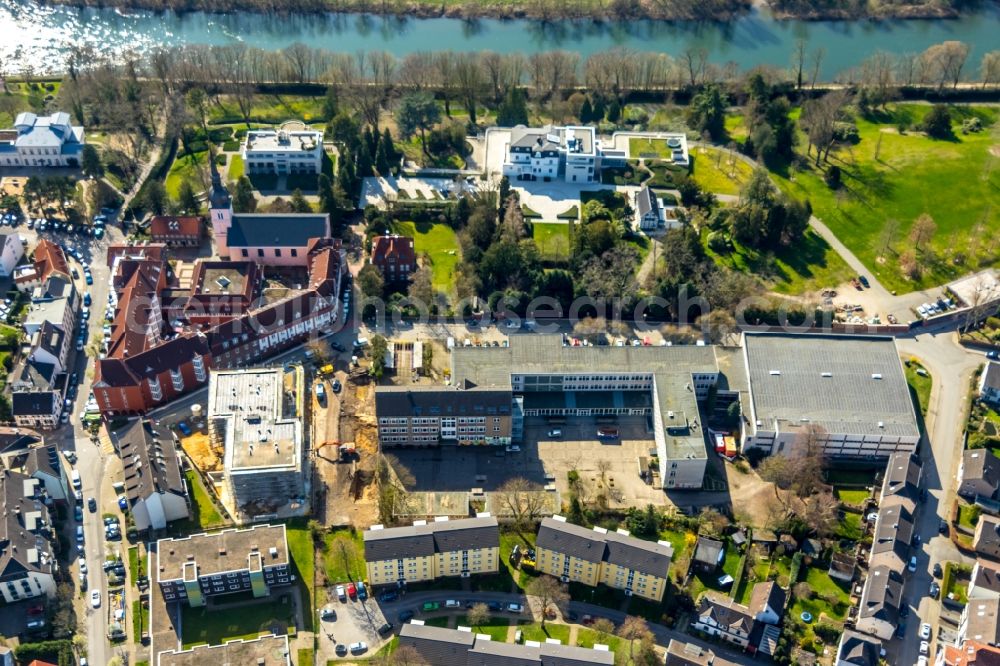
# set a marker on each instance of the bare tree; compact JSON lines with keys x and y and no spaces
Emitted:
{"x":404,"y":655}
{"x":887,"y":236}
{"x":604,"y":629}
{"x":922,"y":231}
{"x":478,"y":615}
{"x":799,"y":61}
{"x":549,"y":592}
{"x":989,"y":68}
{"x":522,"y":499}
{"x":718,"y":326}
{"x":635,"y":630}
{"x":817,"y":62}
{"x":944,"y":62}
{"x":421,"y":288}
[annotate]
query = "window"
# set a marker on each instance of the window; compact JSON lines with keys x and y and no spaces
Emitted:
{"x":294,"y":252}
{"x":260,"y":252}
{"x":246,"y":253}
{"x":277,"y":252}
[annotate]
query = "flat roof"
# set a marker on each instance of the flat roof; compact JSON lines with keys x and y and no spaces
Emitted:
{"x":285,"y":141}
{"x":268,"y":650}
{"x":254,"y":411}
{"x":219,"y":552}
{"x":222,"y":278}
{"x":852,"y":385}
{"x":977,"y":289}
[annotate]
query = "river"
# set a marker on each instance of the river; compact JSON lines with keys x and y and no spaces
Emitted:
{"x":40,"y":35}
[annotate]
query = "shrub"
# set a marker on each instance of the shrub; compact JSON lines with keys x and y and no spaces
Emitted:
{"x":231,"y":146}
{"x":803,"y":591}
{"x":220,"y":159}
{"x":832,"y":177}
{"x":718,"y":242}
{"x":846,"y":132}
{"x":972,"y":125}
{"x":220,"y":134}
{"x":937,"y":122}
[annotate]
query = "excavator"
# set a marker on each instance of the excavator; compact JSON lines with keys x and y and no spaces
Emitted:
{"x":345,"y":451}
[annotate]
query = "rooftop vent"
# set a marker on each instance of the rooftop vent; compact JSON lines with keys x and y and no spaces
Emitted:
{"x":827,"y":374}
{"x":775,"y":373}
{"x":876,"y":375}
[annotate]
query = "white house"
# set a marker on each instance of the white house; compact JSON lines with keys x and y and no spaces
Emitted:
{"x":41,"y":141}
{"x":572,"y":154}
{"x":283,"y":151}
{"x":724,"y":618}
{"x":767,"y":602}
{"x":154,"y":486}
{"x":11,"y":251}
{"x":989,"y":383}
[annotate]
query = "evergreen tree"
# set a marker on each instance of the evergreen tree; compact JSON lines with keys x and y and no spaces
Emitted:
{"x":364,"y":163}
{"x":325,"y":192}
{"x":599,"y":110}
{"x":614,"y":111}
{"x":513,"y":110}
{"x":331,"y":105}
{"x":369,"y":140}
{"x":586,"y":111}
{"x":187,"y":200}
{"x":381,"y":161}
{"x":90,"y":161}
{"x":299,"y":203}
{"x":388,"y":147}
{"x":243,"y":199}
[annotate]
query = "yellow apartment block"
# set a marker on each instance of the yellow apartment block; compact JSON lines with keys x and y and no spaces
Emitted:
{"x":576,"y":554}
{"x":426,"y":551}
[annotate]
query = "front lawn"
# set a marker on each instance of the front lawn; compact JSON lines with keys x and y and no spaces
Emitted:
{"x":190,"y":168}
{"x":214,"y":627}
{"x":496,"y":627}
{"x":719,"y":171}
{"x":968,"y":516}
{"x":536,"y":632}
{"x":440,"y":244}
{"x":952,"y":180}
{"x":588,"y":638}
{"x":236,"y":167}
{"x":552,"y":240}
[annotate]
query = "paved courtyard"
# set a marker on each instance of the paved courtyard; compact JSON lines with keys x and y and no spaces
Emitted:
{"x":375,"y":190}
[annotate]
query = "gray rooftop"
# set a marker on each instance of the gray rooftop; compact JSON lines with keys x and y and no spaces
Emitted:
{"x":221,"y":552}
{"x":264,"y":651}
{"x":423,"y":539}
{"x":846,"y":385}
{"x":991,"y":375}
{"x":982,"y":624}
{"x":292,"y":230}
{"x":553,"y":138}
{"x":882,"y":595}
{"x":595,"y":545}
{"x":150,"y":462}
{"x":902,"y":478}
{"x":858,"y":649}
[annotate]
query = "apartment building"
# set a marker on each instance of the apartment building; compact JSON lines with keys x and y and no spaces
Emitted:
{"x":155,"y":489}
{"x":847,"y":394}
{"x":544,"y":376}
{"x":394,"y":255}
{"x":430,"y":550}
{"x":599,"y":557}
{"x":255,"y":416}
{"x":202,"y":566}
{"x":283,"y":151}
{"x":28,"y":563}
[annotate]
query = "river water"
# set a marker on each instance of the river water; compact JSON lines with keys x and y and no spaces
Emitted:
{"x":40,"y":35}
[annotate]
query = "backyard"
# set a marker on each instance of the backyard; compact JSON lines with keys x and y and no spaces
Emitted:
{"x":881,"y":196}
{"x":440,"y":244}
{"x":270,"y":110}
{"x":204,"y":514}
{"x":552,"y":239}
{"x":216,"y":626}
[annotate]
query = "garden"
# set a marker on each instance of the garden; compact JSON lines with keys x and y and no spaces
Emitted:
{"x":437,"y":245}
{"x":983,"y":429}
{"x":552,"y":239}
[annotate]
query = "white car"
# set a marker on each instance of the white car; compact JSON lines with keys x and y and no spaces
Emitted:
{"x":515,"y":608}
{"x":342,"y":593}
{"x":95,"y":598}
{"x":83,"y":565}
{"x":358,"y":648}
{"x":513,"y":448}
{"x":924,"y":647}
{"x":925,"y":631}
{"x":451,"y":603}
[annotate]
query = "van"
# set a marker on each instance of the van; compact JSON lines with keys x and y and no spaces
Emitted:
{"x":75,"y":476}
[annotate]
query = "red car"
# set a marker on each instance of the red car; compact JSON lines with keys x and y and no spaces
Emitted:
{"x":36,"y":610}
{"x":352,"y":591}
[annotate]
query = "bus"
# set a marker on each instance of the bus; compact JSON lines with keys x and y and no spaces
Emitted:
{"x":607,"y":433}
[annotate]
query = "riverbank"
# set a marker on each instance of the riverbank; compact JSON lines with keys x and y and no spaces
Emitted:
{"x":543,"y":10}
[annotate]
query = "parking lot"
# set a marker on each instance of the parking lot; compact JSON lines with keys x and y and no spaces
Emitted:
{"x":355,"y":621}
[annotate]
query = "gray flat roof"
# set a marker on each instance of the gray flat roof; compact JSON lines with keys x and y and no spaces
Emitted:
{"x":264,"y":651}
{"x":845,"y":384}
{"x":220,"y":552}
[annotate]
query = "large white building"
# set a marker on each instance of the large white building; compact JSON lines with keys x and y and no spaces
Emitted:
{"x":41,"y":141}
{"x":283,"y":151}
{"x":572,"y":154}
{"x":847,"y":393}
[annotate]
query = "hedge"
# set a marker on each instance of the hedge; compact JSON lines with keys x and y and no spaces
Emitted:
{"x":793,"y":571}
{"x":231,"y":146}
{"x":60,"y":651}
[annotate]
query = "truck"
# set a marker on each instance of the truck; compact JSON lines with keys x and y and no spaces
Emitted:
{"x":607,"y":433}
{"x":116,"y":614}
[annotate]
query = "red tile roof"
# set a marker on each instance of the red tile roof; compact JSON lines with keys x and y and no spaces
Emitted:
{"x":48,"y":258}
{"x":393,"y":249}
{"x":171,"y":225}
{"x":972,"y":653}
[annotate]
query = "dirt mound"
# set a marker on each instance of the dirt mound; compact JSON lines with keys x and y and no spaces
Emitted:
{"x":199,"y":448}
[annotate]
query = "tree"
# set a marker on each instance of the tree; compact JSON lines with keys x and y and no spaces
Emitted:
{"x":513,"y":110}
{"x":937,"y":122}
{"x":478,"y":615}
{"x":417,"y":112}
{"x":549,"y":592}
{"x":321,"y":349}
{"x":187,"y":200}
{"x":522,"y":500}
{"x":707,"y":112}
{"x":635,"y":630}
{"x":989,"y":68}
{"x":586,"y":111}
{"x":370,"y":281}
{"x":421,"y":288}
{"x":603,"y":629}
{"x":718,"y":326}
{"x":379,"y":348}
{"x":90,"y":161}
{"x":614,"y":111}
{"x":404,"y":655}
{"x":299,"y":203}
{"x":243,"y":198}
{"x":346,"y":553}
{"x":592,"y":329}
{"x":155,"y":197}
{"x":922,"y":231}
{"x":612,"y":275}
{"x":197,"y":101}
{"x":944,"y":62}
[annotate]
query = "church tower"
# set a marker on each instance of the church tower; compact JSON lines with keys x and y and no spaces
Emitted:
{"x":220,"y":209}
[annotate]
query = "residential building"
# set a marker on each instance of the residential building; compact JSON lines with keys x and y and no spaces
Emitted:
{"x":428,"y":551}
{"x":767,"y":602}
{"x":36,"y":409}
{"x":270,"y":239}
{"x":11,"y":251}
{"x":894,"y":530}
{"x":978,"y":474}
{"x":154,"y":486}
{"x":200,"y":567}
{"x":647,"y":209}
{"x":842,"y":566}
{"x":15,"y":442}
{"x":989,"y":383}
{"x":462,"y":647}
{"x":55,"y":302}
{"x":986,"y":540}
{"x":597,"y":556}
{"x":688,"y":654}
{"x":50,"y":345}
{"x":151,"y":361}
{"x":901,"y":482}
{"x":176,"y":231}
{"x":47,"y":259}
{"x":269,"y":650}
{"x":846,"y":394}
{"x":543,"y":377}
{"x":722,"y":617}
{"x":708,"y":554}
{"x":979,"y":622}
{"x":221,"y":290}
{"x":41,"y":462}
{"x":984,"y":583}
{"x":572,"y":154}
{"x":969,"y":653}
{"x":881,"y":599}
{"x":857,"y":649}
{"x":255,"y":416}
{"x":51,"y":141}
{"x":283,"y":151}
{"x":27,"y":559}
{"x":394,"y":256}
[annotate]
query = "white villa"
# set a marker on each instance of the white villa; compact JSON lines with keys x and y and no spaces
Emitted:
{"x":283,"y":151}
{"x":41,"y":141}
{"x":572,"y":154}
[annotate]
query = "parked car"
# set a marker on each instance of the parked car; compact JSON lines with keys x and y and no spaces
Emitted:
{"x":912,"y":566}
{"x":388,"y":597}
{"x":935,"y":590}
{"x":95,"y":598}
{"x":337,"y":346}
{"x":938,"y":572}
{"x":925,"y":631}
{"x":77,"y":513}
{"x":184,"y":428}
{"x":494,"y":606}
{"x":924,"y":647}
{"x":864,"y":281}
{"x":341,"y":650}
{"x":430,"y":606}
{"x":336,"y":386}
{"x":993,"y":355}
{"x":362,"y":591}
{"x":328,"y":614}
{"x":358,"y":648}
{"x":385,"y":629}
{"x":92,"y":505}
{"x":515,"y":608}
{"x":555,"y":432}
{"x":405,"y":616}
{"x":452,"y":603}
{"x":352,"y":591}
{"x":342,"y":593}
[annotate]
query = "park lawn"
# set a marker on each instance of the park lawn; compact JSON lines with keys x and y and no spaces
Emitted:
{"x":337,"y":571}
{"x":413,"y":150}
{"x":954,"y":181}
{"x":439,"y":242}
{"x":214,"y":627}
{"x":185,"y":168}
{"x":718,"y":171}
{"x":269,"y":109}
{"x":204,"y":514}
{"x":855,"y":496}
{"x":829,"y":601}
{"x":920,"y":385}
{"x":536,"y":632}
{"x":26,"y":97}
{"x":552,"y":239}
{"x":236,"y":167}
{"x":811,"y":264}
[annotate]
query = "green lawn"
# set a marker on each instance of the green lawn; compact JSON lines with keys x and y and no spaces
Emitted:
{"x":679,"y":539}
{"x":588,"y":638}
{"x":735,"y":127}
{"x":552,"y":240}
{"x":270,"y":110}
{"x":855,"y":496}
{"x":496,"y":627}
{"x":442,"y":621}
{"x":809,"y":265}
{"x":954,"y":181}
{"x":849,"y":527}
{"x":334,"y":565}
{"x":439,"y":242}
{"x":955,"y":582}
{"x":718,"y":172}
{"x":829,"y":600}
{"x":236,"y":167}
{"x":535,"y":632}
{"x":26,"y":97}
{"x":204,"y":515}
{"x":639,"y":147}
{"x":920,"y":385}
{"x":186,"y":168}
{"x":215,"y":627}
{"x":300,"y":546}
{"x":968,"y":516}
{"x":507,"y":542}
